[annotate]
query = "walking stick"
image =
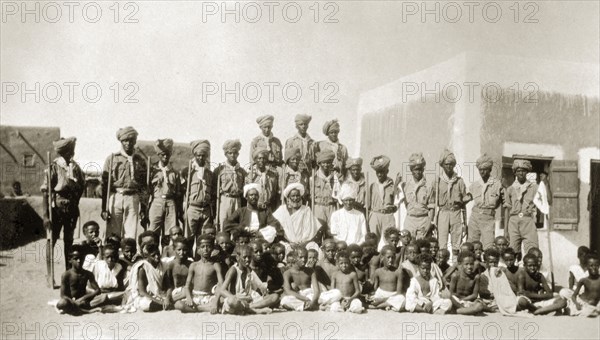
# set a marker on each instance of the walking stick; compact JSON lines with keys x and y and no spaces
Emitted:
{"x":550,"y":251}
{"x":150,"y":195}
{"x":367,"y":198}
{"x":108,"y":190}
{"x":49,"y":240}
{"x":436,"y":214}
{"x":218,"y":212}
{"x":282,"y":182}
{"x":187,"y":199}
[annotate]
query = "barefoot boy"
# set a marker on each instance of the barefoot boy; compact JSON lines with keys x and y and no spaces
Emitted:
{"x":588,"y":303}
{"x":74,"y":299}
{"x":109,"y":274}
{"x":177,"y":271}
{"x":423,"y":294}
{"x":242,"y":290}
{"x":346,"y":281}
{"x":464,"y":286}
{"x":301,"y":288}
{"x":326,"y":267}
{"x":533,"y":290}
{"x":387,"y":282}
{"x":146,"y":282}
{"x":204,"y":277}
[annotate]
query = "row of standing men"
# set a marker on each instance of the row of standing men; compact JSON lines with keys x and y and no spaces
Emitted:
{"x":135,"y":192}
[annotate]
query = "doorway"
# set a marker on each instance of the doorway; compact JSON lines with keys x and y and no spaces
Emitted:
{"x":594,"y":204}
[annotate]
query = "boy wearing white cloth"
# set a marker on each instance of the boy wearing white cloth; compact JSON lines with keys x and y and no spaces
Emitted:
{"x":423,"y":294}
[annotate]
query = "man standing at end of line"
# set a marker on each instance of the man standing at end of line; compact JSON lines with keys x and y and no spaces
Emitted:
{"x":487,"y":197}
{"x":68,"y":184}
{"x":124,"y":206}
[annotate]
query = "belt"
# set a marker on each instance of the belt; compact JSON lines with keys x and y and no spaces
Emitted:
{"x":421,"y":215}
{"x":126,"y":191}
{"x":167,"y":197}
{"x":521,"y":215}
{"x":231,"y":195}
{"x":485,"y":211}
{"x":380,"y":211}
{"x":200,"y":205}
{"x":325,"y":204}
{"x":448,"y":209}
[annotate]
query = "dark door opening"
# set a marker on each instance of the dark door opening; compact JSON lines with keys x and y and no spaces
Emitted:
{"x":594,"y":205}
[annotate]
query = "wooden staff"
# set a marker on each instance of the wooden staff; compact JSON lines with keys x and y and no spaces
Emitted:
{"x":150,"y":197}
{"x":312,"y":197}
{"x":188,"y":185}
{"x":436,"y":215}
{"x":367,"y":198}
{"x":108,"y":189}
{"x":282,"y":182}
{"x":49,"y":243}
{"x":218,"y":213}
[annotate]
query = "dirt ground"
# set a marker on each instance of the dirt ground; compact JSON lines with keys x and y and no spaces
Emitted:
{"x":25,"y":314}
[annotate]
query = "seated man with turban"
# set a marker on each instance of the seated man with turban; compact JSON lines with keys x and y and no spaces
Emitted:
{"x":252,"y":218}
{"x":293,"y":173}
{"x":229,"y":181}
{"x":331,"y":129}
{"x":299,"y":224}
{"x":348,"y":224}
{"x":519,"y":200}
{"x":487,"y":197}
{"x":418,"y":198}
{"x":67,"y":182}
{"x":267,"y":141}
{"x":381,"y":199}
{"x":201,"y":201}
{"x":125,"y":205}
{"x":303,"y":142}
{"x":165,"y":189}
{"x":268,"y":179}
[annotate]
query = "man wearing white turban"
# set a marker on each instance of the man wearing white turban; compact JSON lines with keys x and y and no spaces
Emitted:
{"x":348,"y":224}
{"x":297,"y":220}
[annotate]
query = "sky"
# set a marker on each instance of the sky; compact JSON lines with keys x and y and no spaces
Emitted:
{"x":170,"y":68}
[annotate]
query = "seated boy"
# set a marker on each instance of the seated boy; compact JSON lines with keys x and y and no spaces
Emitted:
{"x":533,"y":290}
{"x":74,"y":298}
{"x":442,"y":258}
{"x":405,"y":240}
{"x":494,"y":288}
{"x":579,"y":271}
{"x":341,"y":246}
{"x":109,"y":275}
{"x":510,"y":267}
{"x":501,"y":243}
{"x":588,"y":302}
{"x":362,"y":271}
{"x":464,"y":286}
{"x":391,"y":237}
{"x":411,"y":264}
{"x":278,"y":254}
{"x":465,"y":247}
{"x":203,"y":279}
{"x":177,"y":270}
{"x":242,"y":291}
{"x":346,"y":281}
{"x":423,"y":294}
{"x":313,"y":258}
{"x":301,"y":289}
{"x":145,"y":291}
{"x":241,"y":237}
{"x":266,"y":268}
{"x":91,"y":246}
{"x":388,"y":283}
{"x":129,"y":256}
{"x":326,"y":267}
{"x":434,"y":246}
{"x":537,"y":252}
{"x":168,"y":252}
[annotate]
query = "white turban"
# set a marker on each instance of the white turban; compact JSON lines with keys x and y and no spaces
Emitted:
{"x":252,"y":186}
{"x":293,"y":186}
{"x":347,"y":191}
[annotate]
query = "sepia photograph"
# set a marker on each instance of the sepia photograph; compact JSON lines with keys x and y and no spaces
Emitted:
{"x":307,"y":169}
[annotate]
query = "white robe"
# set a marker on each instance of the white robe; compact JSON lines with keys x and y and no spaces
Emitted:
{"x":301,"y":226}
{"x":349,"y":226}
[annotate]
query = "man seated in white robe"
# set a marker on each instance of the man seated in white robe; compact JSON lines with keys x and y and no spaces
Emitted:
{"x":348,"y":224}
{"x":299,"y":224}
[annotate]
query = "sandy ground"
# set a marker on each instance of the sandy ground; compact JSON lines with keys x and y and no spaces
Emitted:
{"x":25,"y":314}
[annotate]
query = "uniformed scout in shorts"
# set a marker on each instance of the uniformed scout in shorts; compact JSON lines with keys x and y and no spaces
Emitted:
{"x":356,"y":179}
{"x":165,"y":190}
{"x":487,"y":197}
{"x":267,"y":141}
{"x":124,"y":205}
{"x":325,"y":184}
{"x":201,"y":201}
{"x":303,"y":142}
{"x":418,"y":195}
{"x":67,"y":183}
{"x":267,"y":178}
{"x":229,"y":181}
{"x":519,"y":199}
{"x":452,"y":197}
{"x":381,"y":198}
{"x":331,"y":129}
{"x":293,"y":173}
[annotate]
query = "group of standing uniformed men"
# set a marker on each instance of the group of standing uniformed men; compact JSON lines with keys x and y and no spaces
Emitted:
{"x":136,"y":194}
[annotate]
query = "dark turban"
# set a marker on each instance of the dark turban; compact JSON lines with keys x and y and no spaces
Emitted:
{"x":521,"y":163}
{"x":447,"y":155}
{"x":164,"y":146}
{"x":64,"y":144}
{"x":126,"y":133}
{"x":200,"y":146}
